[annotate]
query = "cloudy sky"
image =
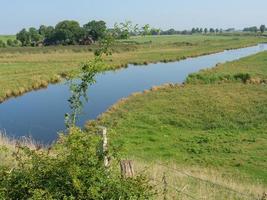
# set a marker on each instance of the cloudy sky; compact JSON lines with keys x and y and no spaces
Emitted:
{"x":178,"y":14}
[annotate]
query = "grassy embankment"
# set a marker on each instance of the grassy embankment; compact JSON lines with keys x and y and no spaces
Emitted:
{"x":214,"y":121}
{"x":26,"y":69}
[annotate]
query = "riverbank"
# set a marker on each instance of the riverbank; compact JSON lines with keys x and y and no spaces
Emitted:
{"x":219,"y":124}
{"x":26,"y":69}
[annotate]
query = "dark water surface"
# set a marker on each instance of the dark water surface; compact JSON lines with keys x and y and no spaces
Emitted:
{"x":40,"y":114}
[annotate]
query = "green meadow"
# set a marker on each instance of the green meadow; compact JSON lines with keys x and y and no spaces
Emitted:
{"x":23,"y":69}
{"x":4,"y":38}
{"x":213,"y":124}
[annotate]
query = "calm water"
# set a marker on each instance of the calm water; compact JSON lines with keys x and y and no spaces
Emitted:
{"x":40,"y":114}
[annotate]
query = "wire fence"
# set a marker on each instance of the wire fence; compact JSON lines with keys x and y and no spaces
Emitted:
{"x":201,"y":181}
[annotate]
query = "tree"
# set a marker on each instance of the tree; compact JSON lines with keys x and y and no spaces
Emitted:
{"x":155,"y":31}
{"x":35,"y":37}
{"x":212,"y":30}
{"x":67,"y":32}
{"x":251,"y":29}
{"x":262,"y":28}
{"x":24,"y":37}
{"x":205,"y":30}
{"x":122,"y":30}
{"x":9,"y":42}
{"x":136,"y":29}
{"x":95,"y":29}
{"x":2,"y":44}
{"x":193,"y":30}
{"x":146,"y":30}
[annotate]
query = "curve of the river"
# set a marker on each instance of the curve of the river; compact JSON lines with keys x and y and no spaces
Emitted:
{"x":40,"y":114}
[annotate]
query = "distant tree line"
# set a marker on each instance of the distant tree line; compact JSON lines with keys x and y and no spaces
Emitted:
{"x":66,"y":32}
{"x":255,"y":29}
{"x":69,"y":32}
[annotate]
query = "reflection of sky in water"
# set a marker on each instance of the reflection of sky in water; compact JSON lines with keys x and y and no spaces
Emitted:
{"x":41,"y":113}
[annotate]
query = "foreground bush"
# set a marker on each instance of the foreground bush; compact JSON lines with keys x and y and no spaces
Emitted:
{"x":72,"y":169}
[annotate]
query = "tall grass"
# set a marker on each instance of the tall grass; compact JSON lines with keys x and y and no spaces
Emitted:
{"x":197,"y":183}
{"x":8,"y":146}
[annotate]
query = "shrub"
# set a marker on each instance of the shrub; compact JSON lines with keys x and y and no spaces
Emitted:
{"x":73,"y":169}
{"x":2,"y":44}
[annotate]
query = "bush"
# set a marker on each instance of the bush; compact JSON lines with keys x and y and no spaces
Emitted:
{"x":2,"y":44}
{"x":73,"y":169}
{"x":12,"y":43}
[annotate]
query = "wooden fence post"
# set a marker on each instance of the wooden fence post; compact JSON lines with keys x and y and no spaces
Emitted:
{"x":127,"y":168}
{"x":105,"y":146}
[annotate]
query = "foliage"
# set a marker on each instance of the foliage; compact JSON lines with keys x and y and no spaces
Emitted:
{"x":251,"y":29}
{"x":146,"y":30}
{"x":262,"y":28}
{"x":72,"y":169}
{"x":95,"y":29}
{"x":2,"y":44}
{"x":123,"y":30}
{"x":12,"y":43}
{"x":87,"y":78}
{"x":67,"y":32}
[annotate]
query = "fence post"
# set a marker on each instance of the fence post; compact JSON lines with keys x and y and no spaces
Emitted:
{"x":127,"y":168}
{"x":105,"y":146}
{"x":165,"y":186}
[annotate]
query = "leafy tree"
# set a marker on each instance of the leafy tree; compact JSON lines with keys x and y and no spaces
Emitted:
{"x":123,"y":30}
{"x":42,"y":30}
{"x":251,"y":29}
{"x":9,"y":42}
{"x":24,"y":37}
{"x":135,"y":30}
{"x":2,"y":44}
{"x":205,"y":30}
{"x":67,"y":32}
{"x":262,"y":28}
{"x":201,"y":30}
{"x":170,"y":32}
{"x":95,"y":29}
{"x":35,"y":37}
{"x":193,"y":30}
{"x":212,"y":30}
{"x":48,"y":32}
{"x":155,"y":31}
{"x":146,"y":30}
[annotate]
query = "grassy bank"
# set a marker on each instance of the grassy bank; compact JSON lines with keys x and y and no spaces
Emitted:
{"x":26,"y":69}
{"x":251,"y":69}
{"x":222,"y":126}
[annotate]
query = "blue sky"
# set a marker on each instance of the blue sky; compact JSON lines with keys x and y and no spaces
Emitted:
{"x":179,"y":14}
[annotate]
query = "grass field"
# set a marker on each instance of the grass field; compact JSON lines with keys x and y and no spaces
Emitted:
{"x":250,"y":69}
{"x":26,"y":69}
{"x":4,"y":38}
{"x":222,"y":125}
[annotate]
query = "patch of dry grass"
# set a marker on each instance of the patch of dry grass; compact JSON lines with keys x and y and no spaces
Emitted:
{"x":8,"y":146}
{"x":197,"y":183}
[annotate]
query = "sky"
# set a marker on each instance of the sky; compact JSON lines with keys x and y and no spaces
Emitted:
{"x":165,"y":14}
